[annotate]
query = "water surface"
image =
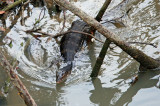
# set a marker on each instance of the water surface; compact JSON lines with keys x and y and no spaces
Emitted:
{"x":112,"y":85}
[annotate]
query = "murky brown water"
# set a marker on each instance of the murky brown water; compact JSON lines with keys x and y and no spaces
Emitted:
{"x":111,"y":87}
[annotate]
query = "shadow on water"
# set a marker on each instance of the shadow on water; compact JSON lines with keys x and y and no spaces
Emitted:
{"x":3,"y":77}
{"x":3,"y":101}
{"x":101,"y":95}
{"x":144,"y":81}
{"x":104,"y":96}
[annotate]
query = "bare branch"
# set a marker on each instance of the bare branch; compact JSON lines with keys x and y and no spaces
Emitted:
{"x":29,"y":101}
{"x":63,"y":33}
{"x":138,"y":55}
{"x":13,"y":5}
{"x":64,"y":20}
{"x":152,"y":44}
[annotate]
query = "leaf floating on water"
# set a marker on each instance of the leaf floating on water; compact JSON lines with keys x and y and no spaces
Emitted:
{"x":21,"y":44}
{"x":10,"y":45}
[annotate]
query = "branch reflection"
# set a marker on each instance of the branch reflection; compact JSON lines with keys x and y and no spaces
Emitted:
{"x":101,"y":95}
{"x":108,"y":96}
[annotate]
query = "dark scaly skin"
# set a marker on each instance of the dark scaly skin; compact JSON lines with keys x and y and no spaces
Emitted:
{"x":70,"y":44}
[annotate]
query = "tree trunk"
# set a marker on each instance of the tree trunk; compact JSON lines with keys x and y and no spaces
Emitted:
{"x":138,"y":55}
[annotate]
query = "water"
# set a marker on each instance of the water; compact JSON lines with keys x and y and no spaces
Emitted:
{"x":111,"y":87}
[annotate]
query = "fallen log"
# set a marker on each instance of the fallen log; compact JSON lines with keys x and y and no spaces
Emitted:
{"x":139,"y":56}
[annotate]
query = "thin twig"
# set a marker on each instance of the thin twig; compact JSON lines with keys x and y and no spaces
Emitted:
{"x":27,"y":2}
{"x":39,"y":19}
{"x":22,"y":20}
{"x":152,"y":44}
{"x":73,"y":31}
{"x":63,"y":33}
{"x":40,"y":14}
{"x":64,"y":20}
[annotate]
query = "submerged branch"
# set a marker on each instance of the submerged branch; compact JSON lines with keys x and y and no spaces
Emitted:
{"x":23,"y":92}
{"x":100,"y":59}
{"x":105,"y":47}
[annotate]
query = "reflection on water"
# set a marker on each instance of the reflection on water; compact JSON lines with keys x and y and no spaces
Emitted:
{"x":145,"y":81}
{"x":101,"y":95}
{"x":105,"y":96}
{"x":3,"y":100}
{"x":111,"y":87}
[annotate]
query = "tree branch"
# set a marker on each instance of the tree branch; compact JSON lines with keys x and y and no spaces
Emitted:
{"x":138,"y":55}
{"x":63,"y":33}
{"x":13,"y":5}
{"x":105,"y":47}
{"x":23,"y":92}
